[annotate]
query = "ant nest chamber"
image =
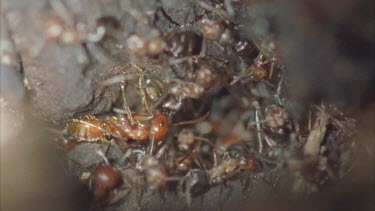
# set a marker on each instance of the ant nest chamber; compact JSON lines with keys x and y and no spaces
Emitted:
{"x":183,"y":105}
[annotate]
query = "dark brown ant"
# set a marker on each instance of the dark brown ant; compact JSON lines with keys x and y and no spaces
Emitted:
{"x":103,"y":181}
{"x":246,"y":51}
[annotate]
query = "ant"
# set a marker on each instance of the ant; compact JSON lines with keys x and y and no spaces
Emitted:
{"x":137,"y":130}
{"x":261,"y":69}
{"x":235,"y":159}
{"x":142,"y":128}
{"x":199,"y":80}
{"x":104,"y":180}
{"x":277,"y":122}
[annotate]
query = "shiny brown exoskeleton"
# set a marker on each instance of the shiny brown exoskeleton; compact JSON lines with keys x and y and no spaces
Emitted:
{"x":155,"y":128}
{"x":120,"y":128}
{"x":89,"y":129}
{"x":104,"y":179}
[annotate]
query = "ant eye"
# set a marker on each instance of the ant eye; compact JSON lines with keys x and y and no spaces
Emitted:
{"x":162,"y":123}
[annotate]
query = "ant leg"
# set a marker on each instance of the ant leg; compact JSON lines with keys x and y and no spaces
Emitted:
{"x":203,"y":52}
{"x":126,"y":106}
{"x":99,"y":152}
{"x":108,"y":148}
{"x":152,"y":138}
{"x":194,"y":121}
{"x":168,"y":17}
{"x":258,"y":118}
{"x":118,"y":77}
{"x":161,"y":151}
{"x":200,"y":163}
{"x":140,"y":198}
{"x":187,"y":155}
{"x":271,"y":70}
{"x":208,"y":142}
{"x":237,"y":78}
{"x":141,"y":82}
{"x":270,"y":142}
{"x":215,"y":158}
{"x":278,"y":91}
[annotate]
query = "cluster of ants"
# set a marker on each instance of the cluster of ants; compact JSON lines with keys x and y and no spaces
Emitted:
{"x":248,"y":127}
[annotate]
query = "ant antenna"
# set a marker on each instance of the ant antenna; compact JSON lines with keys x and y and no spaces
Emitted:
{"x":189,"y":122}
{"x":152,"y":138}
{"x":126,"y":106}
{"x":161,"y":151}
{"x":99,"y":152}
{"x":258,"y":117}
{"x":141,"y":82}
{"x":200,"y":139}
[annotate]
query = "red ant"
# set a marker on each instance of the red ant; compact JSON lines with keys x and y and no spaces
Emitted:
{"x":123,"y":127}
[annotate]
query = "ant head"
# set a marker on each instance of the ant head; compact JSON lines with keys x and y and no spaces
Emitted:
{"x":159,"y":126}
